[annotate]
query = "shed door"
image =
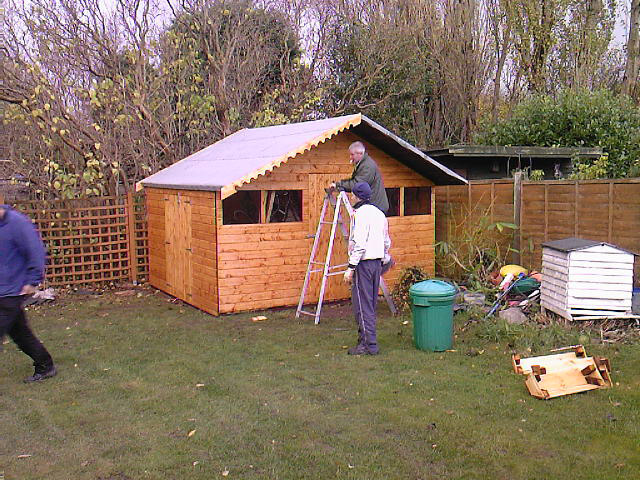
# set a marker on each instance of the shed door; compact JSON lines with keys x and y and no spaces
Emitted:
{"x":178,"y":245}
{"x":335,"y":289}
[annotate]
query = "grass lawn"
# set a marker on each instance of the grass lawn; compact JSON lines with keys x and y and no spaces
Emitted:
{"x":149,"y":389}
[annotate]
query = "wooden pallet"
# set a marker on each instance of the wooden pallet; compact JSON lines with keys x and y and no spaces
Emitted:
{"x":560,"y":374}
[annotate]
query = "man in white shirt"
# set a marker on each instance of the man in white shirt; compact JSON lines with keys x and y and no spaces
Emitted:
{"x":369,"y":245}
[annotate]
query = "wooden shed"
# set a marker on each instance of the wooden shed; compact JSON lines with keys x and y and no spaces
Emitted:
{"x":231,"y":226}
{"x":584,"y":278}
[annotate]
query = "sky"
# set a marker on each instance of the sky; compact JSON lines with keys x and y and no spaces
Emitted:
{"x":621,"y":31}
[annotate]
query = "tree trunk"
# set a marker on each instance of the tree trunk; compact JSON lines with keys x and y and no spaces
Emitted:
{"x":500,"y":67}
{"x":584,"y":63}
{"x":633,"y":50}
{"x":419,"y":122}
{"x":541,"y":47}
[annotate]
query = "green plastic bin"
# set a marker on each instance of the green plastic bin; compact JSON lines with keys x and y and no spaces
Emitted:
{"x":432,"y":309}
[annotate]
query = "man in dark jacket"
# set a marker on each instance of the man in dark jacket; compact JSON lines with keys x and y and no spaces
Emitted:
{"x":22,"y":258}
{"x":365,"y":170}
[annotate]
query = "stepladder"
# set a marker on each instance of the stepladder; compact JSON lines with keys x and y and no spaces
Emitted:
{"x":334,"y":205}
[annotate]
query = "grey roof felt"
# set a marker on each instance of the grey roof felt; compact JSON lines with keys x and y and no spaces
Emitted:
{"x":461,"y":150}
{"x":572,"y":244}
{"x":249,"y":153}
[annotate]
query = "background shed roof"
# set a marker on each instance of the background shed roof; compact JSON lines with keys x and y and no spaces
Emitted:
{"x":249,"y":153}
{"x":572,"y":244}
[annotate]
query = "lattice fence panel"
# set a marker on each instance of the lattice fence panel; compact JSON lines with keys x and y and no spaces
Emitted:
{"x":141,"y":237}
{"x":92,"y":241}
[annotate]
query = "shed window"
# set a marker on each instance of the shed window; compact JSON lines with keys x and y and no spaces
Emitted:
{"x":284,"y":206}
{"x":393,"y":195}
{"x":241,"y":207}
{"x":417,"y":201}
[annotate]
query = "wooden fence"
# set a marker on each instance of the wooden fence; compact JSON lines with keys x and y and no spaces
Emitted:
{"x":103,"y":240}
{"x":601,"y":210}
{"x":92,"y":241}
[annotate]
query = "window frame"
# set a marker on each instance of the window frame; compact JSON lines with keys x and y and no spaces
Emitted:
{"x":267,"y":205}
{"x":403,"y":202}
{"x":262,"y":204}
{"x":429,"y":203}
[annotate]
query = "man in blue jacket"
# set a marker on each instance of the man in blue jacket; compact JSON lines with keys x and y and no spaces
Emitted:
{"x":22,"y":258}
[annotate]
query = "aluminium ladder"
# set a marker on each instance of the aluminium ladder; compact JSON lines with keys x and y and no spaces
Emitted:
{"x":325,"y":267}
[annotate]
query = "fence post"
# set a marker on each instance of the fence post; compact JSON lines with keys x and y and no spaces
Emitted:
{"x":576,"y":212}
{"x":610,"y":222}
{"x":131,"y":238}
{"x":517,"y":209}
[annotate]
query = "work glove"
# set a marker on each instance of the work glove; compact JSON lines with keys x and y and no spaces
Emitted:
{"x":387,"y":263}
{"x":348,"y":275}
{"x":28,"y":290}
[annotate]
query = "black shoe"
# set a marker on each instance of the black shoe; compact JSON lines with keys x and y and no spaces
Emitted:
{"x":39,"y":376}
{"x":361,"y":350}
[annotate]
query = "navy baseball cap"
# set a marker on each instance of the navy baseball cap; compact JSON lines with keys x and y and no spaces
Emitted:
{"x":362,"y":190}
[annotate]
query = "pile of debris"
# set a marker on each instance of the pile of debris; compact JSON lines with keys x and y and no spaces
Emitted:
{"x":518,"y":294}
{"x":517,"y":300}
{"x":614,"y":330}
{"x":41,"y":296}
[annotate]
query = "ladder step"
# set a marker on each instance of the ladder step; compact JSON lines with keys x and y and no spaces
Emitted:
{"x":307,"y":313}
{"x":330,"y":267}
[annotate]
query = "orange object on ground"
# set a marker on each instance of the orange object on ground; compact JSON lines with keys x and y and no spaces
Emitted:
{"x":536,"y":275}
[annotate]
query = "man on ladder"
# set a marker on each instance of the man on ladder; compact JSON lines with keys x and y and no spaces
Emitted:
{"x":369,"y":245}
{"x":364,"y":170}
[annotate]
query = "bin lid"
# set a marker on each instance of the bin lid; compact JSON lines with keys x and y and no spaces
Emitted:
{"x":432,"y":288}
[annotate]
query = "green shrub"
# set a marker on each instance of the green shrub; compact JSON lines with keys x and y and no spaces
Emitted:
{"x":474,"y":247}
{"x":408,"y":277}
{"x":536,"y":175}
{"x":575,"y":119}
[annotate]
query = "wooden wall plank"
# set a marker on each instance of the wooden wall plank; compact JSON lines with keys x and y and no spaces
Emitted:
{"x":157,"y":253}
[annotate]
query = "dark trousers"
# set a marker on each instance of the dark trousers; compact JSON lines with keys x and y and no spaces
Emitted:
{"x":364,"y":297}
{"x":13,"y":322}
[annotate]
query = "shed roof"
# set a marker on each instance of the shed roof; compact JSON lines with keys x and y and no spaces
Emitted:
{"x":461,"y":150}
{"x":251,"y":152}
{"x":573,"y":244}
